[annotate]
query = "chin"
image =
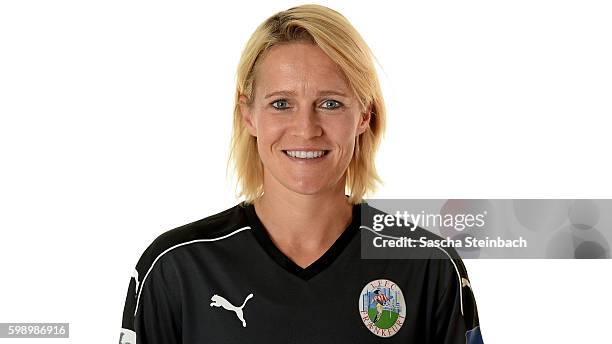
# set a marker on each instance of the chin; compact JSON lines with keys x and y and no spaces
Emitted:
{"x":308,"y":188}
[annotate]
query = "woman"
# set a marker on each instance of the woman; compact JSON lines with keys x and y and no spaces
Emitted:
{"x":284,"y":265}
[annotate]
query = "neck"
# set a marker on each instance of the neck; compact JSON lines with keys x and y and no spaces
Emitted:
{"x":302,"y":226}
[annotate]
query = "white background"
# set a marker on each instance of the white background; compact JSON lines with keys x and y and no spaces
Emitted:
{"x":115,"y":122}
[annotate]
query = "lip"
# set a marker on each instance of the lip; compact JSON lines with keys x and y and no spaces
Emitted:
{"x":309,"y":149}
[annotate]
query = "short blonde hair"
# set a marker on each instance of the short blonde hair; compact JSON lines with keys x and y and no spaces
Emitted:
{"x":333,"y":33}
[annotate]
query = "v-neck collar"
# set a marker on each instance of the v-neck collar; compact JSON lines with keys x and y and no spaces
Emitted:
{"x":263,"y":238}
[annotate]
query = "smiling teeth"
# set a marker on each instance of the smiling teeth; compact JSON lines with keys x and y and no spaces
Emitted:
{"x":305,"y":154}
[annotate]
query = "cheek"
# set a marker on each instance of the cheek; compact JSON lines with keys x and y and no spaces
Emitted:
{"x":269,"y":131}
{"x":343,"y":132}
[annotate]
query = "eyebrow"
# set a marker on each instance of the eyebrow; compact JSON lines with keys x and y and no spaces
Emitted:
{"x":292,"y":93}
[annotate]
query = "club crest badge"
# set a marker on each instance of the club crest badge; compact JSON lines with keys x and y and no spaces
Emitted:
{"x":382,"y":307}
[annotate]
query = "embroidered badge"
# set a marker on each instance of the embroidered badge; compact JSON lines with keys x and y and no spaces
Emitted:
{"x":382,"y":307}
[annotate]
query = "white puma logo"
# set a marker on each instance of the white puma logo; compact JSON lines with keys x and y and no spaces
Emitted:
{"x":219,"y":301}
{"x":465,"y":282}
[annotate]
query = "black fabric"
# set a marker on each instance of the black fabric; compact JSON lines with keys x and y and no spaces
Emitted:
{"x":187,"y":276}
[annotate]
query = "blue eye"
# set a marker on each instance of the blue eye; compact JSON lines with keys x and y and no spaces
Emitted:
{"x":331,"y":104}
{"x":280,"y":104}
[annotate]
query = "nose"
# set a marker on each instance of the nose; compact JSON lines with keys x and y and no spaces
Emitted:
{"x":306,"y":123}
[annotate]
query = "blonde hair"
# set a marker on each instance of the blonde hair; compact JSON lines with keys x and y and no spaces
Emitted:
{"x":333,"y":33}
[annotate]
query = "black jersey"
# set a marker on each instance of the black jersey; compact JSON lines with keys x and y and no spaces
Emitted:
{"x":222,"y":280}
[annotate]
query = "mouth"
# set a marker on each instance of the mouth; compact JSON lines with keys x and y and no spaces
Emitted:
{"x":306,"y":154}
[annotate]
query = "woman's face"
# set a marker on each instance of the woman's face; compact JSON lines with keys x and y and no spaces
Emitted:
{"x":305,"y":119}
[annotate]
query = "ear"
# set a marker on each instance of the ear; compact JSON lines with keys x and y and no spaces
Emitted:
{"x":364,"y":120}
{"x":247,"y":115}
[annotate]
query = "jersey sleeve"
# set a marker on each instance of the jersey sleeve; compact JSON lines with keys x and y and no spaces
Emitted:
{"x":152,"y":311}
{"x":456,"y":316}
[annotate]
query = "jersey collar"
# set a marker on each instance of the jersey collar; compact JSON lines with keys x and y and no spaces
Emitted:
{"x":263,"y":238}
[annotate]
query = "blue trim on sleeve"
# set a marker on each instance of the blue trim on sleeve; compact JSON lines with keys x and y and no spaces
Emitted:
{"x":473,"y":336}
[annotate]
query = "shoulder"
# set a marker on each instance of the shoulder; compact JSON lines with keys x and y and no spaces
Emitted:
{"x":227,"y":224}
{"x":381,"y":223}
{"x":444,"y":259}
